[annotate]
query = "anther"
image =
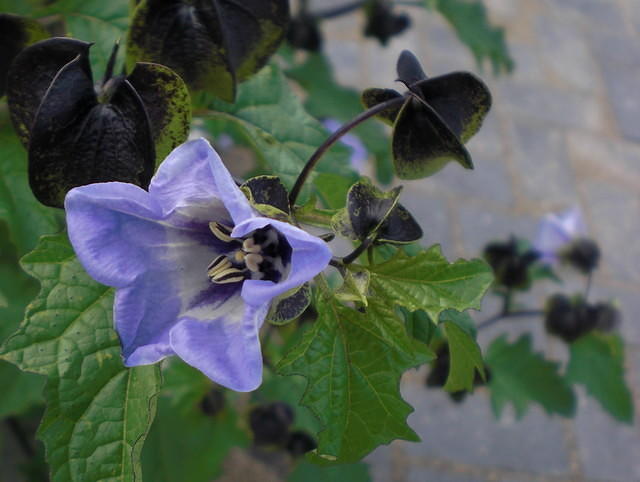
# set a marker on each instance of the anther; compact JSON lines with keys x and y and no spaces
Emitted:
{"x":249,"y":246}
{"x":252,"y":261}
{"x":220,"y":231}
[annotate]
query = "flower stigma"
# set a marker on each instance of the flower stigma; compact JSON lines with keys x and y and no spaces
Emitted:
{"x":263,"y":254}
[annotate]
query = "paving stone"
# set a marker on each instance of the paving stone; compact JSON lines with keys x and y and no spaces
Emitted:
{"x":489,"y":180}
{"x":380,"y":463}
{"x":615,"y":47}
{"x":607,"y":156}
{"x":529,"y":67}
{"x":422,"y":474}
{"x":541,"y":161}
{"x":614,"y":214}
{"x":595,"y":14}
{"x":479,"y":225}
{"x":622,"y":90}
{"x":565,"y":53}
{"x":550,"y":105}
{"x":608,"y":450}
{"x":469,"y":433}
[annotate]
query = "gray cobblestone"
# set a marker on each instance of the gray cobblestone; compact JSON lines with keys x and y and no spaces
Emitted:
{"x":624,"y":99}
{"x":550,"y":105}
{"x":608,"y":450}
{"x":480,"y":225}
{"x":614,"y":221}
{"x":468,"y":433}
{"x":541,"y":161}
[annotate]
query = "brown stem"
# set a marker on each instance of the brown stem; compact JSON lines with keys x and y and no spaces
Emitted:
{"x":333,"y":138}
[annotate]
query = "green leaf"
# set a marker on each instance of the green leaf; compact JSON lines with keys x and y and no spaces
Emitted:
{"x":521,"y":376}
{"x":284,"y":142}
{"x":189,"y":446}
{"x":597,"y":362}
{"x":465,"y":357}
{"x":355,"y":394}
{"x":26,"y":218}
{"x":20,"y":390}
{"x":429,"y":282}
{"x":98,"y":411}
{"x":419,"y":325}
{"x":470,"y":21}
{"x":355,"y":286}
{"x":307,"y":472}
{"x":327,"y":99}
{"x":96,"y":21}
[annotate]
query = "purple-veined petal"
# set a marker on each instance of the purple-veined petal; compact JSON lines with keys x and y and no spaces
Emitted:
{"x":110,"y":226}
{"x":310,"y":255}
{"x":160,"y":270}
{"x":233,"y":198}
{"x":226,"y":349}
{"x":185,"y":187}
{"x":556,"y":230}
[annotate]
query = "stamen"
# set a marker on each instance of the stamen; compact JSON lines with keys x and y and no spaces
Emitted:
{"x":239,"y":256}
{"x":220,"y":231}
{"x":252,"y":261}
{"x":231,"y":275}
{"x":219,"y":266}
{"x":216,"y":262}
{"x":249,"y":246}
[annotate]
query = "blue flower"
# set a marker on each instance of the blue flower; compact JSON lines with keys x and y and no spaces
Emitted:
{"x":194,"y":266}
{"x":556,"y":232}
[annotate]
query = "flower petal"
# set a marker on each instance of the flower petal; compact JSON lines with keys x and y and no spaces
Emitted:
{"x":556,"y":230}
{"x":193,"y":154}
{"x":110,"y":227}
{"x":310,"y":255}
{"x":226,"y":349}
{"x":185,"y":186}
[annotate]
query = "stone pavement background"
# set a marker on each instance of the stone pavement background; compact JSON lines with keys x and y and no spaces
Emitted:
{"x":564,"y":130}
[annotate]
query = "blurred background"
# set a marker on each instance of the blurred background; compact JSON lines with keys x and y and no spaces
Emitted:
{"x":564,"y":131}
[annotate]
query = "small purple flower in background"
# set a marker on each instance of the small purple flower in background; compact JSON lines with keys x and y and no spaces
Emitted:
{"x":562,"y":237}
{"x":359,"y":154}
{"x":556,"y":231}
{"x":195,"y":267}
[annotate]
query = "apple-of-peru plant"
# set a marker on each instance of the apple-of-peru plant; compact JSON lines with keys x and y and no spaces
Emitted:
{"x":161,"y":312}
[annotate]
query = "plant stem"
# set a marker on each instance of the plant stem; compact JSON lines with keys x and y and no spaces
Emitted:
{"x":506,"y":302}
{"x":333,"y":138}
{"x":587,"y":288}
{"x":351,"y":257}
{"x":513,"y":314}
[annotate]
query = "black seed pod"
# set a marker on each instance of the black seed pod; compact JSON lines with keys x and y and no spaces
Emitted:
{"x":583,"y":254}
{"x":568,"y":319}
{"x":510,"y":265}
{"x":300,"y":443}
{"x":383,"y":24}
{"x":77,"y":133}
{"x":606,"y":317}
{"x":304,"y":33}
{"x":213,"y":402}
{"x":211,"y":44}
{"x":433,"y":120}
{"x":270,"y":423}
